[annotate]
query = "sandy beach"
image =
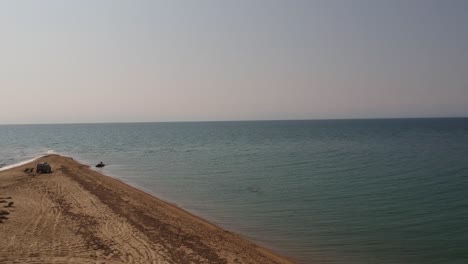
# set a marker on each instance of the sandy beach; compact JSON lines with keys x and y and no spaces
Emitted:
{"x":78,"y":215}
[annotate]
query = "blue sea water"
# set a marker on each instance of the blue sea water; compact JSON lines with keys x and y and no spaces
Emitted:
{"x":329,"y":191}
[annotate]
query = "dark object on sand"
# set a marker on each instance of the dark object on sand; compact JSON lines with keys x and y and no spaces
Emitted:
{"x":43,"y":167}
{"x":3,"y":212}
{"x":10,"y":204}
{"x":3,"y":215}
{"x":100,"y":165}
{"x":29,"y":170}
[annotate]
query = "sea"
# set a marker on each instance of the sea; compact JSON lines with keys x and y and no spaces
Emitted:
{"x":319,"y":191}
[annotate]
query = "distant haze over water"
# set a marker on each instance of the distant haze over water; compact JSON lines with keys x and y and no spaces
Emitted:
{"x":326,"y":191}
{"x":117,"y":60}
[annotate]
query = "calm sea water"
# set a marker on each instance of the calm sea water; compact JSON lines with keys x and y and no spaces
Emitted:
{"x":344,"y":191}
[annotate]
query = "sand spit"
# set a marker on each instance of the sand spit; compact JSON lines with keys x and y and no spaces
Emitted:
{"x":77,"y":215}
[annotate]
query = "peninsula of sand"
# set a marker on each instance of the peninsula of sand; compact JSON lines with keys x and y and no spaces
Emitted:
{"x":78,"y":215}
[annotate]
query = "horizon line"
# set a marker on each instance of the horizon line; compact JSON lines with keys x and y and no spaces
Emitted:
{"x":236,"y":120}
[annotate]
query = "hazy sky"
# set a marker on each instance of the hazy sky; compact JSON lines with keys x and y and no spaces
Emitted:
{"x":111,"y":61}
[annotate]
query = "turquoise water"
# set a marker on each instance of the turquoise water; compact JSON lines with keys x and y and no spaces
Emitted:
{"x":332,"y":191}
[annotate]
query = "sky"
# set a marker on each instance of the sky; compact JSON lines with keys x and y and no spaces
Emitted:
{"x":144,"y":61}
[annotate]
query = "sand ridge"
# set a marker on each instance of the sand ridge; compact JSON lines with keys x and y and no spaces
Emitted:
{"x":77,"y":215}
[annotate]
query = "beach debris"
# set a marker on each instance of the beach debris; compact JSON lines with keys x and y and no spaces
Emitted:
{"x":29,"y":170}
{"x":3,"y":215}
{"x":43,"y":167}
{"x":4,"y":199}
{"x":3,"y":212}
{"x":100,"y":165}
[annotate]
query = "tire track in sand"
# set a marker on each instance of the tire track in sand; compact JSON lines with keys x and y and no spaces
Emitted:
{"x":116,"y":232}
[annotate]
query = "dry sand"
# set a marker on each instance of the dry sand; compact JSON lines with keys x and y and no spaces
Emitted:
{"x":77,"y":215}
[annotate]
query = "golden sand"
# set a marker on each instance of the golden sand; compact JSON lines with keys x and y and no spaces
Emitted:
{"x":77,"y":215}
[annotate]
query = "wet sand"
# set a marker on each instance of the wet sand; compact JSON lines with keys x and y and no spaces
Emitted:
{"x":77,"y":215}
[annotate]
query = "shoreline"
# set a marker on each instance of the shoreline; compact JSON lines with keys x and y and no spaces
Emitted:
{"x":166,"y":232}
{"x":134,"y":185}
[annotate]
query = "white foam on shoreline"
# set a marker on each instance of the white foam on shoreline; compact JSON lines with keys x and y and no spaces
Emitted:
{"x":51,"y":151}
{"x":19,"y":163}
{"x":7,"y":167}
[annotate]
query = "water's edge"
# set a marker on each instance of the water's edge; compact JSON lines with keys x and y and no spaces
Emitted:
{"x":136,"y":186}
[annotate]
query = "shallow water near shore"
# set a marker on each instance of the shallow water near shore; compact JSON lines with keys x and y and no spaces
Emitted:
{"x":331,"y":191}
